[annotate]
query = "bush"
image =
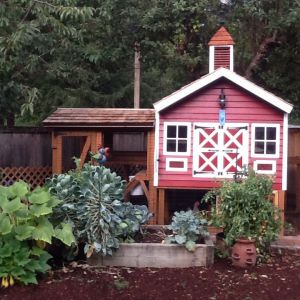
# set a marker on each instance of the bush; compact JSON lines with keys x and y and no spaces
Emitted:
{"x":245,"y":210}
{"x":24,"y":225}
{"x":92,"y":201}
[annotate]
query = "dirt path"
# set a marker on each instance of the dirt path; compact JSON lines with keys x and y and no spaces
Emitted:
{"x":279,"y":279}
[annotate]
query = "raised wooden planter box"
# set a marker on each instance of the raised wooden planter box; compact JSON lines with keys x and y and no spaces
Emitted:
{"x":154,"y":255}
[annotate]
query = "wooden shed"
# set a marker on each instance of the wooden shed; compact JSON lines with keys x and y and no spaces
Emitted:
{"x":128,"y":132}
{"x":209,"y":130}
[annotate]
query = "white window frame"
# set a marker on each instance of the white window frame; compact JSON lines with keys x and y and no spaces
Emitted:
{"x":277,"y":140}
{"x":188,"y":150}
{"x":183,"y":169}
{"x":265,"y":162}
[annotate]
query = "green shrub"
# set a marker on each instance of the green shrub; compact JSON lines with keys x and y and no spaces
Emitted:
{"x":92,"y":201}
{"x":187,"y":229}
{"x":245,"y":210}
{"x":24,"y":223}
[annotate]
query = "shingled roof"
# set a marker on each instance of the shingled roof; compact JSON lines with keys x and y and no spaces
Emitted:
{"x":101,"y":117}
{"x":221,"y":37}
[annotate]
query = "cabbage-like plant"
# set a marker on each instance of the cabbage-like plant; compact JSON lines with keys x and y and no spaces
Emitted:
{"x":187,"y":229}
{"x":92,"y":201}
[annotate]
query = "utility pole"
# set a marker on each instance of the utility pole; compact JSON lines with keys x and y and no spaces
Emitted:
{"x":137,"y":75}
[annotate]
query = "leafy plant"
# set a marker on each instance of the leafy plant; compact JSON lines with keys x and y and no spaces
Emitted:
{"x":187,"y":229}
{"x":245,"y":210}
{"x":19,"y":261}
{"x":92,"y":201}
{"x":121,"y":284}
{"x":24,"y":223}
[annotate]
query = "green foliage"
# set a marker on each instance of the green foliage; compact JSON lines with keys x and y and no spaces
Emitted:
{"x":121,"y":284}
{"x":92,"y":201}
{"x":187,"y":229}
{"x":78,"y":54}
{"x":245,"y":210}
{"x":19,"y":261}
{"x":24,"y":218}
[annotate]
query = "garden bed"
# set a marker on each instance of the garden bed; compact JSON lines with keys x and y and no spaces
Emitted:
{"x":157,"y":254}
{"x":277,"y":279}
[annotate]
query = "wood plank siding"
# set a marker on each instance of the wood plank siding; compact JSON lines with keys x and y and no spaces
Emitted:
{"x":203,"y":106}
{"x":100,"y":117}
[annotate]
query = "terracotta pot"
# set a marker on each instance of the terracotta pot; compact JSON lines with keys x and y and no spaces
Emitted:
{"x":214,"y":230}
{"x":244,"y":253}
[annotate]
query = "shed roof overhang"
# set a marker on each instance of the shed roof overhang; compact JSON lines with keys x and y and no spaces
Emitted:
{"x":101,"y":117}
{"x":231,"y":76}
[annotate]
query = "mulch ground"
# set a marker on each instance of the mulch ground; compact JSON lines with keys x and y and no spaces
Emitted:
{"x":278,"y":279}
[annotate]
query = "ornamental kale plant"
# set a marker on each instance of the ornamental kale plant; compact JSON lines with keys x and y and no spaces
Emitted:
{"x":92,"y":201}
{"x":25,"y":225}
{"x":187,"y":229}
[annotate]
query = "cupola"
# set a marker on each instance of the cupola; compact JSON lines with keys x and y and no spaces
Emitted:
{"x":221,"y":50}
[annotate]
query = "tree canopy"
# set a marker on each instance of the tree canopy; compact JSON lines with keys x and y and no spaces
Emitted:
{"x":75,"y":53}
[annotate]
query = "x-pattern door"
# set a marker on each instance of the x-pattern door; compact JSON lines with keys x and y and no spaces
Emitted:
{"x":219,"y":151}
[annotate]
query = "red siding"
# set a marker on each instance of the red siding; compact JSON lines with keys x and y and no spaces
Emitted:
{"x":241,"y":107}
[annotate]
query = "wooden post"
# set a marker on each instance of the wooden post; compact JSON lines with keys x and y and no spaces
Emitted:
{"x":161,"y":206}
{"x":282,"y":205}
{"x":152,"y":204}
{"x":153,"y":199}
{"x":85,"y":150}
{"x":297,"y":188}
{"x":58,"y":155}
{"x":279,"y":201}
{"x":97,"y":139}
{"x":137,"y":75}
{"x":54,"y":153}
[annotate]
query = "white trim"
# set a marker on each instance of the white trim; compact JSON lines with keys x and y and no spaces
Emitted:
{"x":284,"y":151}
{"x":235,"y":78}
{"x":184,"y":160}
{"x":211,"y":59}
{"x":265,"y":162}
{"x":188,"y":138}
{"x":277,"y":140}
{"x":156,"y":150}
{"x":231,"y":58}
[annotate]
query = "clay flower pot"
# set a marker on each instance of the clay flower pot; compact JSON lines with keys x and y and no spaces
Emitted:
{"x":244,"y":253}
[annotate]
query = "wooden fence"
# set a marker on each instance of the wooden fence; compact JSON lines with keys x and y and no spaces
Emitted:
{"x":26,"y":154}
{"x":25,"y":147}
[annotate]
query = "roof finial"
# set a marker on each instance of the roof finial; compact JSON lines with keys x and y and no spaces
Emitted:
{"x":223,"y":11}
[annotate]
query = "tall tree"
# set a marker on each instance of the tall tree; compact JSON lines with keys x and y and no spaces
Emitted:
{"x":80,"y":53}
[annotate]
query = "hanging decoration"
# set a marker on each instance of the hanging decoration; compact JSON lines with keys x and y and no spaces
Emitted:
{"x":102,"y":154}
{"x":222,"y":113}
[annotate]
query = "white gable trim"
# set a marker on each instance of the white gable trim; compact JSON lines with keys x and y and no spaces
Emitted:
{"x":285,"y":152}
{"x":211,"y":59}
{"x":235,"y":78}
{"x":156,"y":150}
{"x":231,"y":58}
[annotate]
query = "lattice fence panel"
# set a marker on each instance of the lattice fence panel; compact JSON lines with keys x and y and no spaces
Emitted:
{"x":35,"y":176}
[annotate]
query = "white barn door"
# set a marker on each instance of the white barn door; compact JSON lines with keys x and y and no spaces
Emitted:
{"x":219,"y":152}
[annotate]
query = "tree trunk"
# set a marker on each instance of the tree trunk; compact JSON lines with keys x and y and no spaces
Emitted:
{"x":261,"y":53}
